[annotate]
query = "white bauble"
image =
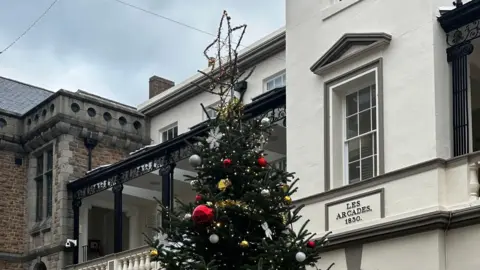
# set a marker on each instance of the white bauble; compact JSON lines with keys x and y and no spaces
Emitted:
{"x":213,"y":238}
{"x":187,"y":216}
{"x":265,"y":121}
{"x":265,"y":192}
{"x":195,"y":160}
{"x":300,"y":256}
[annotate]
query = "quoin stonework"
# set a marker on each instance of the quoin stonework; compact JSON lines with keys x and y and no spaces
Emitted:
{"x":48,"y":139}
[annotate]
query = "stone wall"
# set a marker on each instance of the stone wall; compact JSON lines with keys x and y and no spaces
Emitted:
{"x":12,"y":204}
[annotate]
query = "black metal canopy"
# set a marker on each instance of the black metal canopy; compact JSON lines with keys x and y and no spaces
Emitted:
{"x":460,"y":16}
{"x":161,"y":156}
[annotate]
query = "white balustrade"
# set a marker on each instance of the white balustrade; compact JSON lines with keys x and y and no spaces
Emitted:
{"x":134,"y":259}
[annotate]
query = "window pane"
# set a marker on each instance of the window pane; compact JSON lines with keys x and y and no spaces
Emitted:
{"x":269,"y":85}
{"x":170,"y":134}
{"x":278,"y":81}
{"x":365,"y":122}
{"x":49,"y":160}
{"x":39,"y":200}
{"x":375,"y":143}
{"x":351,"y":101}
{"x":353,"y":150}
{"x":175,"y":132}
{"x":164,"y":136}
{"x":284,"y":77}
{"x":367,"y":145}
{"x":40,"y":165}
{"x":374,"y":118}
{"x":367,"y":168}
{"x":375,"y":167}
{"x":353,"y":172}
{"x":364,"y":99}
{"x":352,"y":127}
{"x":374,"y":96}
{"x":49,"y":194}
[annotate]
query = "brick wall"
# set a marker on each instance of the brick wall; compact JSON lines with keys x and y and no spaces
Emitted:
{"x":101,"y":155}
{"x":11,"y":266}
{"x":12,"y":204}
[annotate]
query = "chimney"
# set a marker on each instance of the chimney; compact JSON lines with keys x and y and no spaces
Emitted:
{"x":157,"y":85}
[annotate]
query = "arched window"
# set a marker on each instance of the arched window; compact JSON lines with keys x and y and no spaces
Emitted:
{"x":40,"y":266}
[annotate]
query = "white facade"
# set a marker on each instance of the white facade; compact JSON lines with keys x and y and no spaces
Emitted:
{"x":415,"y":183}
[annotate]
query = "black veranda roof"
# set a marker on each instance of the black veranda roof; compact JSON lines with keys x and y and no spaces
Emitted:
{"x":260,"y":104}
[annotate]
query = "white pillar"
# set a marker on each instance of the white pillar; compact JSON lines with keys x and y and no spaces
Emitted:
{"x":83,"y":237}
{"x":133,"y":233}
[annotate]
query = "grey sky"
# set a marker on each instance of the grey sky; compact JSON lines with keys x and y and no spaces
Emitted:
{"x":111,"y":50}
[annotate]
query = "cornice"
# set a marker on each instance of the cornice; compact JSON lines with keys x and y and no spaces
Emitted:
{"x":63,"y":124}
{"x":437,"y":220}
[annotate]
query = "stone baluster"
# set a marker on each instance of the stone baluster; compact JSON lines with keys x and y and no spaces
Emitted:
{"x":148,"y":265}
{"x":130,"y":262}
{"x":141,"y":265}
{"x":125,"y":264}
{"x":473,"y":185}
{"x":136,"y":261}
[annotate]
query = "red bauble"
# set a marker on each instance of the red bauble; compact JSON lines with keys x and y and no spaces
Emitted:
{"x":311,"y":244}
{"x":202,"y":214}
{"x":227,"y":162}
{"x":198,"y":197}
{"x":262,"y":162}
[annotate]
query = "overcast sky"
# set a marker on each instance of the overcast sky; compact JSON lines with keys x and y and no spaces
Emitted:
{"x":109,"y":49}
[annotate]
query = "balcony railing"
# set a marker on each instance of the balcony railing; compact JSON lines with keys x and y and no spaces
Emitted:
{"x":138,"y":258}
{"x":280,"y":164}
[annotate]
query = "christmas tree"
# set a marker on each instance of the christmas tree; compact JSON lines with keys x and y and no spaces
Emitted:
{"x":243,"y":213}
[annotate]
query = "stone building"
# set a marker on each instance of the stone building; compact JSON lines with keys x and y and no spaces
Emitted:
{"x":46,"y":140}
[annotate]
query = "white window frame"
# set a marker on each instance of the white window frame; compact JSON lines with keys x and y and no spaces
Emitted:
{"x":210,"y":108}
{"x":343,"y":95}
{"x":166,"y":129}
{"x":272,"y":78}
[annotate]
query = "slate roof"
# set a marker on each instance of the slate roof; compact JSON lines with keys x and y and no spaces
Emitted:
{"x":17,"y":97}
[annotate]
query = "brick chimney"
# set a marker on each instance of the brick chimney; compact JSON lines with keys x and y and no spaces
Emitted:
{"x":157,"y":85}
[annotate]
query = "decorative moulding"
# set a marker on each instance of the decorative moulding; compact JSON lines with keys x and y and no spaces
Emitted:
{"x":336,"y":8}
{"x":348,"y":47}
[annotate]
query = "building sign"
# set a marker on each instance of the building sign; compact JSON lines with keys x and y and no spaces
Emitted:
{"x":357,"y":209}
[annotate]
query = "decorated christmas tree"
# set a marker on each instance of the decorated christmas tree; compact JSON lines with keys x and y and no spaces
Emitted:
{"x":242,"y":215}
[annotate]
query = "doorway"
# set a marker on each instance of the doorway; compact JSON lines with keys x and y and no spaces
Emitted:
{"x":101,"y":234}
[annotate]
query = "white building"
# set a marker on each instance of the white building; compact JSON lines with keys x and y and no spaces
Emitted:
{"x":382,"y":131}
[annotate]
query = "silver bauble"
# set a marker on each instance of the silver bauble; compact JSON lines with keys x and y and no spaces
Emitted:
{"x":193,"y":183}
{"x":214,"y":238}
{"x":195,"y":160}
{"x":188,"y":216}
{"x":300,"y":256}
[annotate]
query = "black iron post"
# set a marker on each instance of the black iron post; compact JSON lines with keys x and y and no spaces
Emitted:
{"x":76,"y":203}
{"x":118,"y":213}
{"x":167,"y":190}
{"x":458,"y":56}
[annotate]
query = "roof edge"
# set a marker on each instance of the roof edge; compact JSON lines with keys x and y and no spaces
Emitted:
{"x":251,"y":56}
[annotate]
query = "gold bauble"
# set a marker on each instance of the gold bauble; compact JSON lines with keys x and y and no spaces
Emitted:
{"x":153,"y":252}
{"x":223,"y":184}
{"x":244,"y":244}
{"x":285,"y":188}
{"x":287,"y":199}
